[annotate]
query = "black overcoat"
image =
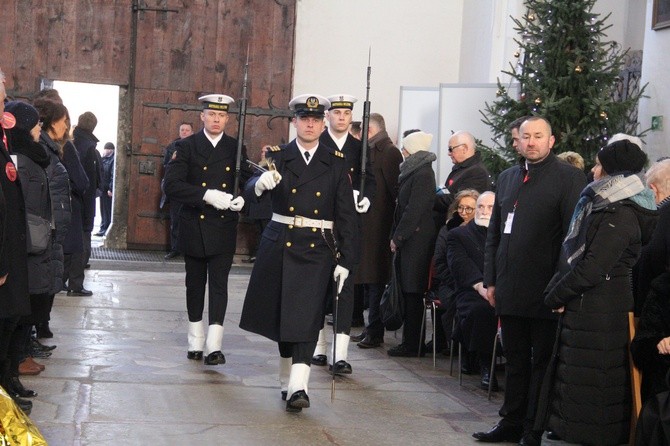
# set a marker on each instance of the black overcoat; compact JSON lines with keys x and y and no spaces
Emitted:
{"x":520,"y":264}
{"x":590,"y":401}
{"x":14,"y":299}
{"x":204,"y":230}
{"x":74,"y":240}
{"x":287,"y":292}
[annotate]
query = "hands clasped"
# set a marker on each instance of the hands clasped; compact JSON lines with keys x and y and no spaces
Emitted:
{"x":220,"y":200}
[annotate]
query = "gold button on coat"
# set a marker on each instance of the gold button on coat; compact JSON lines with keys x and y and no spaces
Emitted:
{"x":202,"y":216}
{"x":291,"y":209}
{"x":288,"y":244}
{"x":293,"y":191}
{"x":204,"y":184}
{"x":224,"y":185}
{"x":311,"y":245}
{"x":318,"y":194}
{"x":316,"y":211}
{"x":227,"y":168}
{"x":204,"y":168}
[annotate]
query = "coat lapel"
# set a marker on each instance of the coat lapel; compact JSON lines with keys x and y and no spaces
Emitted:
{"x":317,"y":166}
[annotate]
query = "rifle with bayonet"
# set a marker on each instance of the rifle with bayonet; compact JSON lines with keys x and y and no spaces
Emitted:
{"x":241,"y":116}
{"x":364,"y":132}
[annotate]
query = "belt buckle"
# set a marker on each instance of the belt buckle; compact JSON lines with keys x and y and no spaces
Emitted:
{"x":298,"y":221}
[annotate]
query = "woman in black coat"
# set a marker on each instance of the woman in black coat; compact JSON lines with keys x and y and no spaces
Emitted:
{"x":590,"y":398}
{"x":54,"y":125}
{"x":413,"y":235}
{"x":31,"y":162}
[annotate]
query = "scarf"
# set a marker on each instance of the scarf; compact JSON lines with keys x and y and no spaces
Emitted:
{"x":596,"y":196}
{"x":413,"y":162}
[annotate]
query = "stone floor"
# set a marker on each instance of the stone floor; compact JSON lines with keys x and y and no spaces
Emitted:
{"x":120,"y":376}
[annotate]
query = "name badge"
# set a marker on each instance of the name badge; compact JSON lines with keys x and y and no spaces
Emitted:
{"x":508,"y":223}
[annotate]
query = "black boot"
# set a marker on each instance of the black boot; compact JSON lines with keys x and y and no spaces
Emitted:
{"x":15,"y":388}
{"x":25,"y":405}
{"x":42,"y":331}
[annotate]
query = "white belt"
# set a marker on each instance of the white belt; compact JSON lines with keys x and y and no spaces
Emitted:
{"x":302,"y":222}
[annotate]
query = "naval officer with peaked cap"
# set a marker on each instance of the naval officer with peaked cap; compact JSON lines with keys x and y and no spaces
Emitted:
{"x":337,"y":136}
{"x":201,"y":176}
{"x":307,"y":244}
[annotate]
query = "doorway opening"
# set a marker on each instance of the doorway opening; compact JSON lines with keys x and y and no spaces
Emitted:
{"x":103,"y":101}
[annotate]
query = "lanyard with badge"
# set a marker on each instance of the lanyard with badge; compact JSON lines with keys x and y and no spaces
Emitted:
{"x":510,"y":216}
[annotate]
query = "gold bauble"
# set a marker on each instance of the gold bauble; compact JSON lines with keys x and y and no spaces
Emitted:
{"x":603,"y":115}
{"x":517,"y":54}
{"x":531,"y":17}
{"x":578,"y":69}
{"x":538,"y":101}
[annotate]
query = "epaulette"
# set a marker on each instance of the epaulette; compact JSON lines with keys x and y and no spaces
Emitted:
{"x":275,"y":149}
{"x":338,"y":153}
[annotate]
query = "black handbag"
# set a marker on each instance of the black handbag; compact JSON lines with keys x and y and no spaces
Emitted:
{"x":392,"y":305}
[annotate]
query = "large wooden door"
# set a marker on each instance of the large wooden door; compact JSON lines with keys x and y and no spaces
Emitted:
{"x":163,"y":54}
{"x":194,"y":49}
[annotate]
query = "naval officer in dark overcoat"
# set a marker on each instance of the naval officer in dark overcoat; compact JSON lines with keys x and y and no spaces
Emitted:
{"x":307,"y":244}
{"x":201,"y":176}
{"x":337,"y":136}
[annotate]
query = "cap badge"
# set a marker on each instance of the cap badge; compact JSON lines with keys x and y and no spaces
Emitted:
{"x":312,"y":102}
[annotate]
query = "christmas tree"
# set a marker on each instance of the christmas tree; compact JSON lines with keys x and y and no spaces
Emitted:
{"x":567,"y":72}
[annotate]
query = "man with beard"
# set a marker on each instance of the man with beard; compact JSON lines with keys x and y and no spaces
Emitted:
{"x":465,"y":257}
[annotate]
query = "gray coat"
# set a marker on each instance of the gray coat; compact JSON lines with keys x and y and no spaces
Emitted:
{"x":413,"y":227}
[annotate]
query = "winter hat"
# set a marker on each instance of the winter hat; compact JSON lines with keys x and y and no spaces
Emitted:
{"x":26,"y":115}
{"x":417,"y":141}
{"x":622,"y":156}
{"x":109,"y":146}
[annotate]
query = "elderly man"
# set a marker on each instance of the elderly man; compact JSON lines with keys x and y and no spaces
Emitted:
{"x":201,"y":178}
{"x":655,"y":257}
{"x":465,"y":257}
{"x":469,"y":172}
{"x":533,"y":207}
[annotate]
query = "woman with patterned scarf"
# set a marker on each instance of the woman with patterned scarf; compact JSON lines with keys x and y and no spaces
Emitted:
{"x":589,"y":402}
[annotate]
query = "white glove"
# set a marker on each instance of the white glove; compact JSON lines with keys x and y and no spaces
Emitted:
{"x":218,"y":199}
{"x":267,"y":181}
{"x":340,"y":273}
{"x":362,"y":206}
{"x":237,"y":204}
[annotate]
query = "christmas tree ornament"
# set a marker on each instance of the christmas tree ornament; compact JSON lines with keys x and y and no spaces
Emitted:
{"x":538,"y":101}
{"x":578,"y":69}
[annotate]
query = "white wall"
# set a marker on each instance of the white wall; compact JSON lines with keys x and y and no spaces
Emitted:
{"x":413,"y":43}
{"x":655,"y":69}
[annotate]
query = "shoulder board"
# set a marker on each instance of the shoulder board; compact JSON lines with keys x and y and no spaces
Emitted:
{"x":338,"y":153}
{"x":275,"y":149}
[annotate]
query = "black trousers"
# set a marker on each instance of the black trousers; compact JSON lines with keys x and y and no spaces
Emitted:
{"x":301,"y":352}
{"x":7,"y":353}
{"x":105,"y":211}
{"x":411,"y":332}
{"x":373,"y":293}
{"x":199,"y":271}
{"x":175,"y":208}
{"x":528,"y":344}
{"x":73,"y":271}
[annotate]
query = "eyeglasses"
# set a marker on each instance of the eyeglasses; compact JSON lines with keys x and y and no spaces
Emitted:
{"x":465,"y":210}
{"x":452,"y":148}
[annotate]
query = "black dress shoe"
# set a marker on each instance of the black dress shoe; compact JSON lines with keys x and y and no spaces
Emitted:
{"x":100,"y":234}
{"x":486,"y":379}
{"x":531,"y":438}
{"x":284,"y":393}
{"x":25,"y":405}
{"x":341,"y":368}
{"x":401,"y":350}
{"x":370,"y":342}
{"x":194,"y":354}
{"x":37,"y":345}
{"x":15,"y":388}
{"x":215,"y":358}
{"x":358,"y":338}
{"x":82,"y":292}
{"x":500,"y":433}
{"x":319,"y":360}
{"x":42,"y":331}
{"x":551,"y":435}
{"x":298,"y":401}
{"x":171,"y":255}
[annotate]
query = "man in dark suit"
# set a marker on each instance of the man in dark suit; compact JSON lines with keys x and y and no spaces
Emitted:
{"x":465,"y":258}
{"x":309,"y":242}
{"x":201,"y":177}
{"x":337,"y":136}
